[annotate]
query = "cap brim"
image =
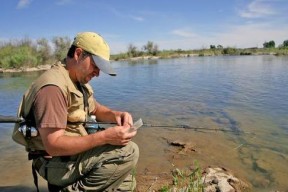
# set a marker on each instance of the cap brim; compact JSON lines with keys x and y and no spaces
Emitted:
{"x":104,"y":65}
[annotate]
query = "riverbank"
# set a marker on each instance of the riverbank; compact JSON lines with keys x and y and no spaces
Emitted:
{"x":230,"y":51}
{"x":199,"y":53}
{"x":25,"y":69}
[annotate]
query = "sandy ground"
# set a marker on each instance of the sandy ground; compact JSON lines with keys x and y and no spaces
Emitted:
{"x":157,"y":158}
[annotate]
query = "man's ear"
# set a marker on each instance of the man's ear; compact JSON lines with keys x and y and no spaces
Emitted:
{"x":77,"y":53}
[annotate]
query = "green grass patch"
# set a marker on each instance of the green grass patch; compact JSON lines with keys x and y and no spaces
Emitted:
{"x":186,"y":180}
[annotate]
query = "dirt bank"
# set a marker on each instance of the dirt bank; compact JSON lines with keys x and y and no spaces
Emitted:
{"x":24,"y":69}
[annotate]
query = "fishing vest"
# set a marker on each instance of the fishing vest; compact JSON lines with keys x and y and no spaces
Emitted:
{"x":76,"y":111}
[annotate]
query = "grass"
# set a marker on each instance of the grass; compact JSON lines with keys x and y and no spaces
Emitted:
{"x":186,"y":180}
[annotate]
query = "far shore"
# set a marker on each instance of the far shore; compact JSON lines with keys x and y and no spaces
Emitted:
{"x":26,"y":69}
{"x":48,"y":66}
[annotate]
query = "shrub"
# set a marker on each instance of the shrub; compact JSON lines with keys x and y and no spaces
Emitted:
{"x":18,"y":56}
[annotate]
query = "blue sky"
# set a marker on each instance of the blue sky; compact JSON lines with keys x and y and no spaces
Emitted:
{"x":171,"y":24}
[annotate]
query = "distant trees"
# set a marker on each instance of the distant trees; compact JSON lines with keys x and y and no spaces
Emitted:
{"x":270,"y":44}
{"x":62,"y":45}
{"x":219,"y":47}
{"x":214,"y":47}
{"x":229,"y":51}
{"x":149,"y":49}
{"x":132,"y":51}
{"x":285,"y":43}
{"x":30,"y":53}
{"x":44,"y":50}
{"x":17,"y":53}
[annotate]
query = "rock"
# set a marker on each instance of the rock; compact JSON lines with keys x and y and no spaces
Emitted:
{"x":185,"y":146}
{"x":220,"y":180}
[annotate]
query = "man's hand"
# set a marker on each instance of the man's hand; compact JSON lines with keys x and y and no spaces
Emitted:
{"x":124,"y":118}
{"x":119,"y":135}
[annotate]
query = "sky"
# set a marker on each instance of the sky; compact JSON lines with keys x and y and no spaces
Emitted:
{"x":171,"y":24}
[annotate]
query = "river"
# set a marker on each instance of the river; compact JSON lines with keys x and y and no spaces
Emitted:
{"x":246,"y":95}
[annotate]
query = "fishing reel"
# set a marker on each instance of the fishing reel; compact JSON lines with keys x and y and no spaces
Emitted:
{"x":28,"y":131}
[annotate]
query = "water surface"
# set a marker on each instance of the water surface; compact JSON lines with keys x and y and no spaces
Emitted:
{"x":244,"y":94}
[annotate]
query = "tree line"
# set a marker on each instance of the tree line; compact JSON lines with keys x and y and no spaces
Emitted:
{"x":152,"y":49}
{"x":28,"y":53}
{"x":266,"y":44}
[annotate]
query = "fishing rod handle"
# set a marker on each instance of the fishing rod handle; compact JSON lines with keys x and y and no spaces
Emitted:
{"x":10,"y":119}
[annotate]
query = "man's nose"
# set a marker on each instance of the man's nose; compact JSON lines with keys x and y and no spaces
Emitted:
{"x":96,"y":72}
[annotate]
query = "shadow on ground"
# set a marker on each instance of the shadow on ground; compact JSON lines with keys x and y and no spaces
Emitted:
{"x":20,"y":188}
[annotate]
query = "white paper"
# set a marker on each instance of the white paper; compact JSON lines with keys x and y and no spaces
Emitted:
{"x":137,"y":124}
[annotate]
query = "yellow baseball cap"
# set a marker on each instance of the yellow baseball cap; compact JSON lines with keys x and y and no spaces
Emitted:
{"x":93,"y":43}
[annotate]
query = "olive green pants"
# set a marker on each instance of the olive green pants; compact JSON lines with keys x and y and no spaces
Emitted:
{"x":105,"y":168}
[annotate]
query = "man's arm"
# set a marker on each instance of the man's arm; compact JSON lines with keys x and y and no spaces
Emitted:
{"x":51,"y":119}
{"x":58,"y":144}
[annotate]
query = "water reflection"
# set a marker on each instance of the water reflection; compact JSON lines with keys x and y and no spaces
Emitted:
{"x":143,"y":61}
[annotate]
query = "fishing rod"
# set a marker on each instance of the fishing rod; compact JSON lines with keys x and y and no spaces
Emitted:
{"x":179,"y":127}
{"x":196,"y":128}
{"x":10,"y":119}
{"x":137,"y":124}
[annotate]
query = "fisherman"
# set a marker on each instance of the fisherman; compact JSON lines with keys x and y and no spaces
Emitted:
{"x":56,"y":105}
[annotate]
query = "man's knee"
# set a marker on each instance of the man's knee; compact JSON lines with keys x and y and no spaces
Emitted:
{"x":134,"y":151}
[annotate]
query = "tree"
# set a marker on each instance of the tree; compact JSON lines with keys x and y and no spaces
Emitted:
{"x":132,"y":50}
{"x":212,"y":47}
{"x":43,"y":49}
{"x":219,"y":47}
{"x":229,"y":51}
{"x":20,"y":53}
{"x":155,"y":50}
{"x":62,"y":45}
{"x":285,"y":43}
{"x":270,"y":44}
{"x":151,"y":48}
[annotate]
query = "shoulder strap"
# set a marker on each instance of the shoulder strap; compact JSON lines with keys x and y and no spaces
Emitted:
{"x":83,"y":89}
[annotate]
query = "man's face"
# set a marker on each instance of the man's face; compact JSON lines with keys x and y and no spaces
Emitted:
{"x":87,"y":69}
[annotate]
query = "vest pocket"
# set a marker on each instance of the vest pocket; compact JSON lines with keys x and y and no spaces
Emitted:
{"x":75,"y":101}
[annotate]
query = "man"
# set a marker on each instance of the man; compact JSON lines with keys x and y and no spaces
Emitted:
{"x":56,"y":104}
